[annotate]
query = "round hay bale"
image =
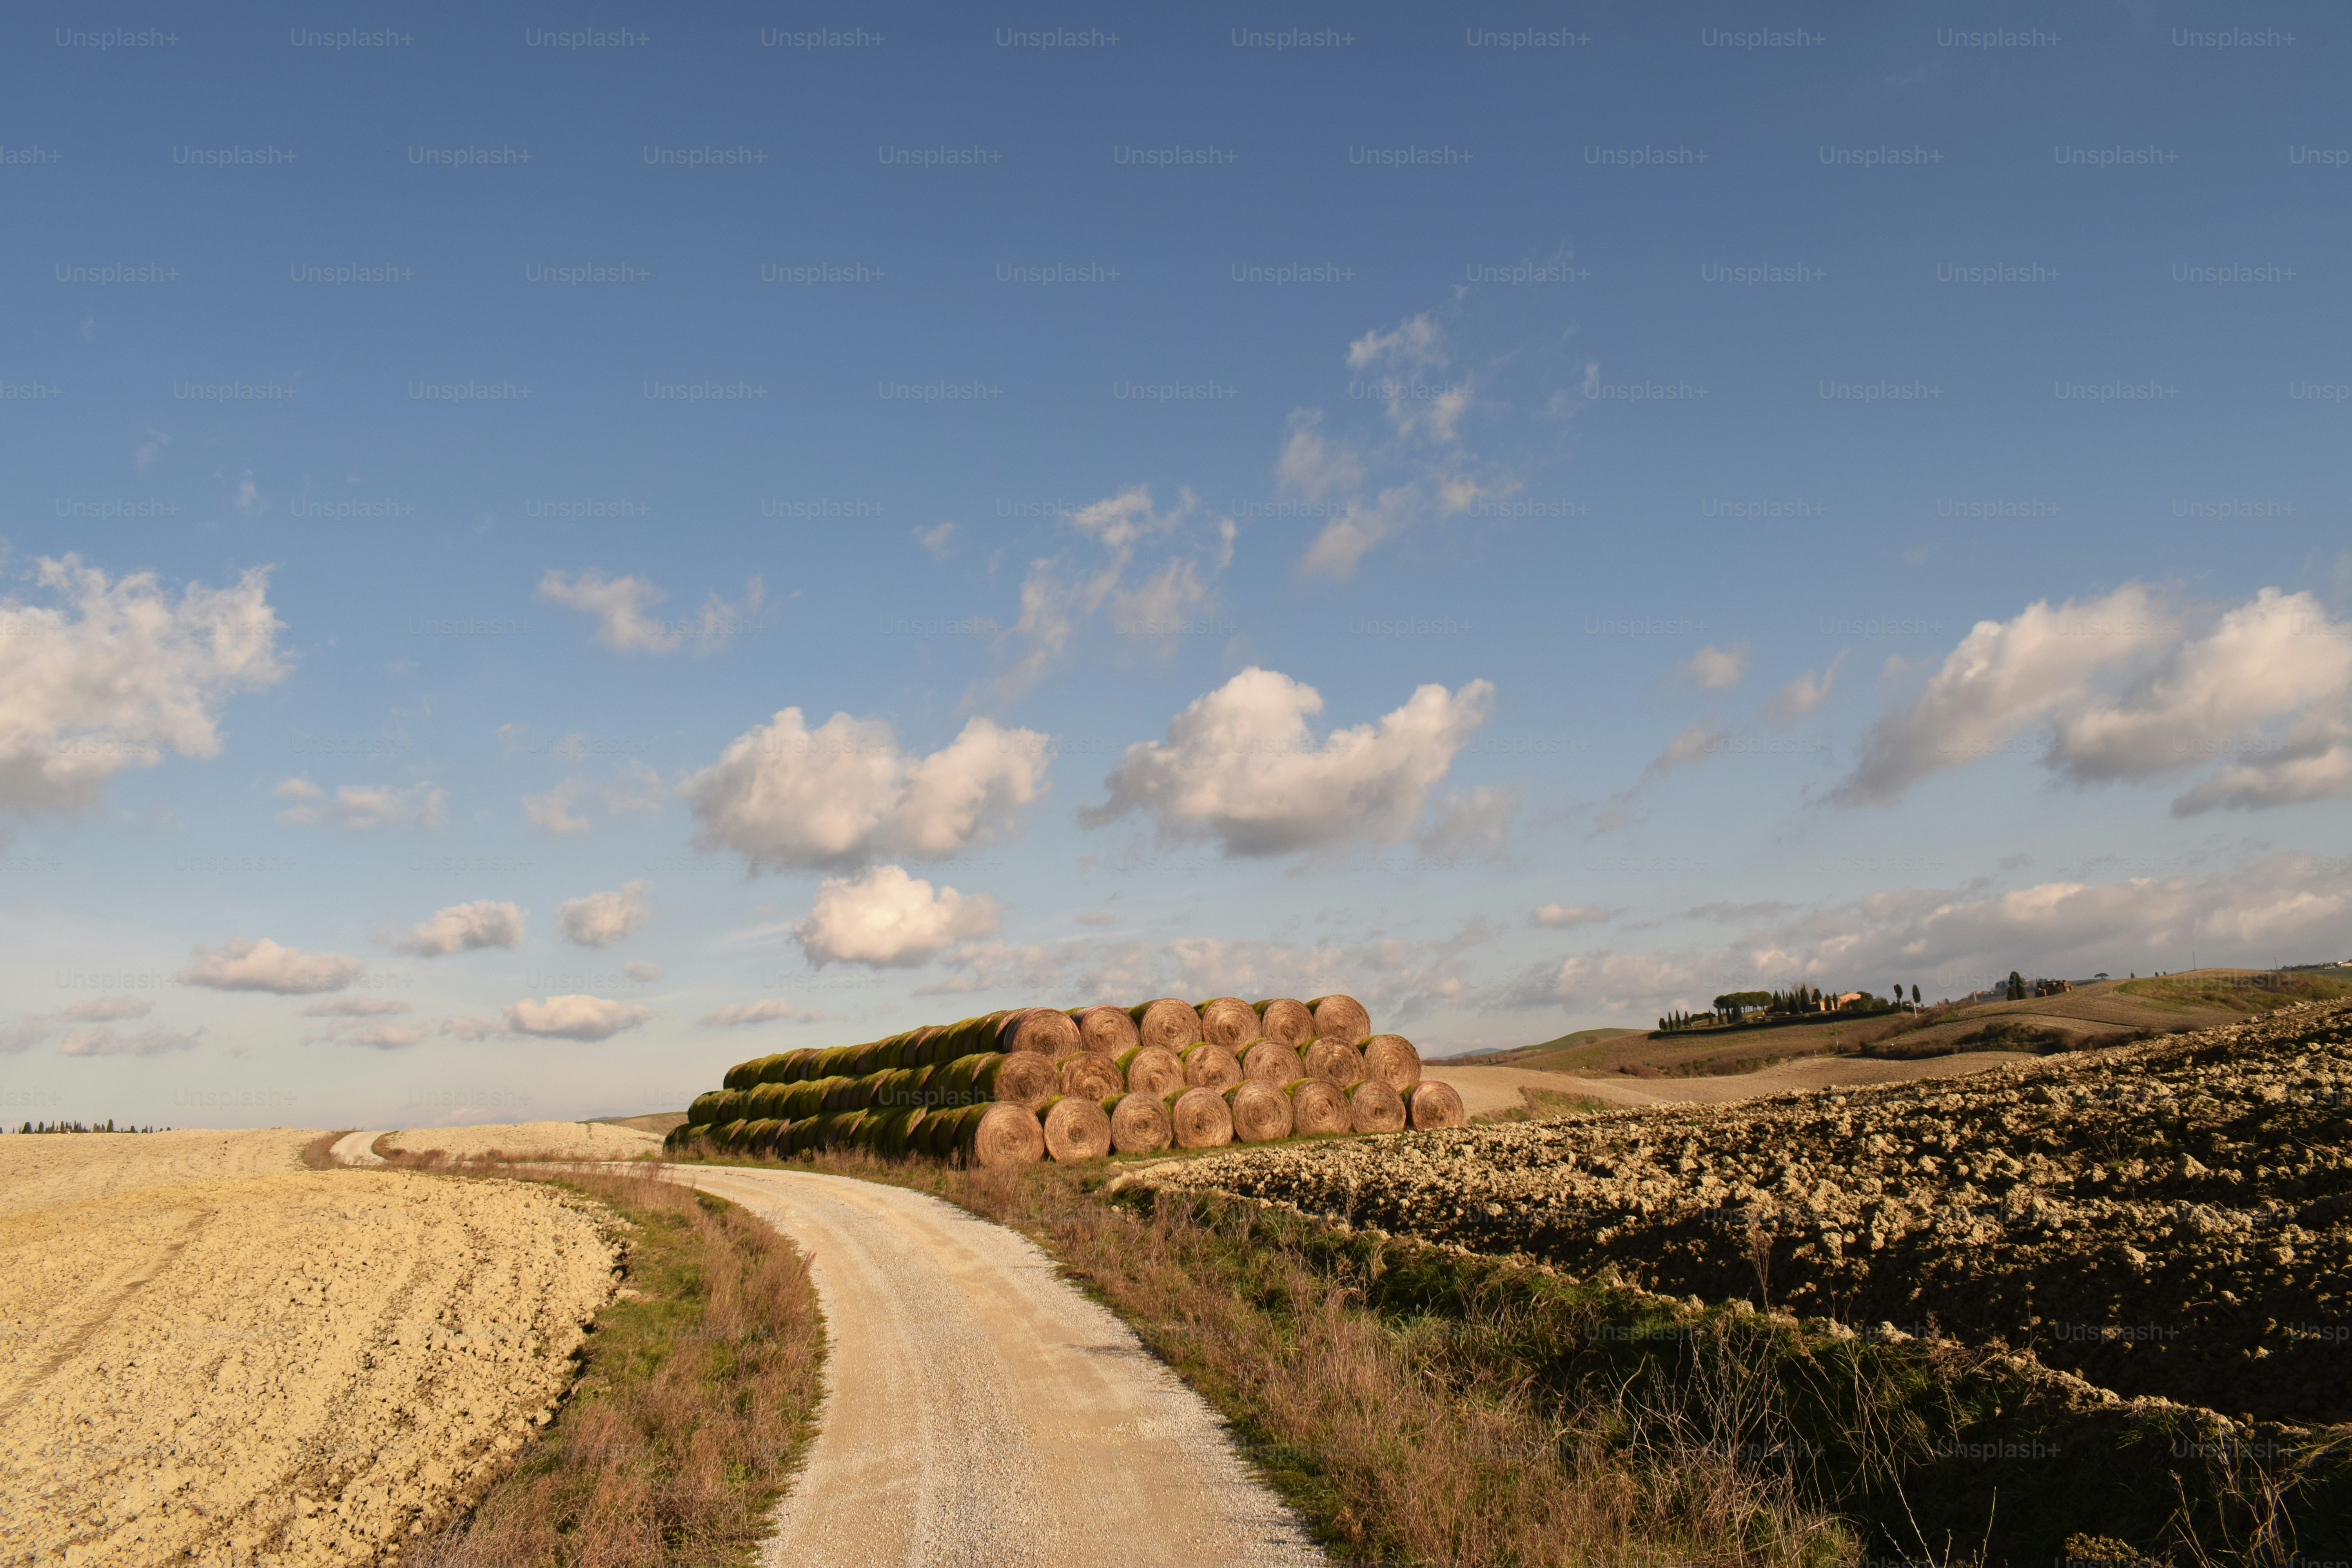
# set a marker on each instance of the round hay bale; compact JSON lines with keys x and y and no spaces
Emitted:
{"x":1261,"y":1111}
{"x":700,"y":1114}
{"x":1200,"y":1119}
{"x":731,"y":1104}
{"x":1336,"y":1060}
{"x":1047,"y":1031}
{"x":1002,"y":1135}
{"x":1342,"y":1017}
{"x":1434,"y":1104}
{"x":725,"y":1135}
{"x":1075,"y":1128}
{"x":1139,"y":1123}
{"x":1228,"y":1021}
{"x":742,"y":1075}
{"x":1088,"y":1076}
{"x":1391,"y":1059}
{"x":917,"y":1052}
{"x":948,"y":1140}
{"x":1167,"y":1022}
{"x":1317,"y":1107}
{"x":1209,"y":1065}
{"x":759,"y":1137}
{"x":1017,"y":1077}
{"x":1285,"y":1019}
{"x":1374,"y":1107}
{"x":768,"y":1100}
{"x":788,"y":1068}
{"x":1151,"y":1070}
{"x":1271,"y":1061}
{"x":1104,"y":1030}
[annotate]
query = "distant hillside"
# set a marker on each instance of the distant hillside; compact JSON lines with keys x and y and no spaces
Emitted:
{"x":1581,"y":1049}
{"x":2094,"y":1013}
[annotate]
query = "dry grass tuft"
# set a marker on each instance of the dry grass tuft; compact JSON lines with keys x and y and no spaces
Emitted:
{"x":693,"y":1401}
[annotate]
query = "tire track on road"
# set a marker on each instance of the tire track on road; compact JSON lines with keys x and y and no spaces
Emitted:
{"x":980,"y":1410}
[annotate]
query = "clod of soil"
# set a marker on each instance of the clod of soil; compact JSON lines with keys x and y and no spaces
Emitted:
{"x":2172,"y":1219}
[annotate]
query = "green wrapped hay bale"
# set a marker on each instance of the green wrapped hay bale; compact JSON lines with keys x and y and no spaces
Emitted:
{"x":703,"y":1112}
{"x":1317,"y":1107}
{"x":1227,"y":1021}
{"x":1075,"y":1129}
{"x":1139,"y":1123}
{"x":1169,"y":1022}
{"x":1286,"y":1020}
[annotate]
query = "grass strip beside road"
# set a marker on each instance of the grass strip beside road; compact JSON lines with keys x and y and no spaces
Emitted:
{"x":694,"y":1399}
{"x":1426,"y":1406}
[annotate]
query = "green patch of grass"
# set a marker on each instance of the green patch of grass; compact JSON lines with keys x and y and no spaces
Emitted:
{"x":2252,"y":991}
{"x":1543,"y":1104}
{"x":693,"y":1401}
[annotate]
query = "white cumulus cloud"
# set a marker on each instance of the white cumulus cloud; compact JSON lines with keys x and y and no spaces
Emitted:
{"x":621,"y":605}
{"x":239,"y":964}
{"x":357,"y":808}
{"x":784,"y":796}
{"x":118,"y":673}
{"x":600,"y":919}
{"x":462,"y":928}
{"x":104,"y":1042}
{"x":1241,"y":766}
{"x":1714,"y":668}
{"x":2004,"y":679}
{"x":767,"y":1010}
{"x":883,"y":917}
{"x":583,"y":1019}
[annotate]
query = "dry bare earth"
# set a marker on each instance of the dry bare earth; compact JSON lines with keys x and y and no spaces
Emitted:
{"x":209,"y":1355}
{"x":981,"y":1410}
{"x":2169,"y":1219}
{"x":1485,"y":1090}
{"x":526,"y":1141}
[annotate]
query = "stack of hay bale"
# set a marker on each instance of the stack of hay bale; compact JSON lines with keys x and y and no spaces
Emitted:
{"x":1012,"y":1088}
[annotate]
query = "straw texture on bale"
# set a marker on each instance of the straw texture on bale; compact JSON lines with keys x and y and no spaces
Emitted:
{"x":1020,"y":1077}
{"x":1047,"y":1031}
{"x":1434,"y":1104}
{"x":1139,"y":1123}
{"x":1104,"y":1030}
{"x":1088,"y":1076}
{"x":1285,"y":1019}
{"x":1318,"y":1105}
{"x":1391,"y":1059}
{"x":1328,"y":1058}
{"x":1261,"y":1111}
{"x":1075,"y":1128}
{"x":1227,"y":1021}
{"x":1151,"y":1070}
{"x":1167,"y":1021}
{"x":1342,"y":1017}
{"x":1374,"y":1107}
{"x":1271,"y":1061}
{"x":1208,"y":1066}
{"x":1001,"y":1136}
{"x":1200,"y":1119}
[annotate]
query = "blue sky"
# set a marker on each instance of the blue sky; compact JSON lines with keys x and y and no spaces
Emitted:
{"x":1535,"y":517}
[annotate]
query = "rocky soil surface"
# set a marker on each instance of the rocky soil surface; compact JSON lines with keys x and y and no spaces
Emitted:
{"x":2172,"y":1219}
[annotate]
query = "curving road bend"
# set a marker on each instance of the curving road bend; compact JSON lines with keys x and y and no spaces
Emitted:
{"x":979,"y":1410}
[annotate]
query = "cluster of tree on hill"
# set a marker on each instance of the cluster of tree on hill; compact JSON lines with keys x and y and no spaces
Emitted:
{"x":1743,"y":1006}
{"x":80,"y":1126}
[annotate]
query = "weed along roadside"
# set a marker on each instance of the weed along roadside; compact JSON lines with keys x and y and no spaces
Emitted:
{"x":694,"y":1395}
{"x":1424,"y":1388}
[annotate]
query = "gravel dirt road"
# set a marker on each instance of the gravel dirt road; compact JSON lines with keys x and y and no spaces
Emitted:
{"x":209,"y":1355}
{"x":1485,"y":1090}
{"x":979,"y":1409}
